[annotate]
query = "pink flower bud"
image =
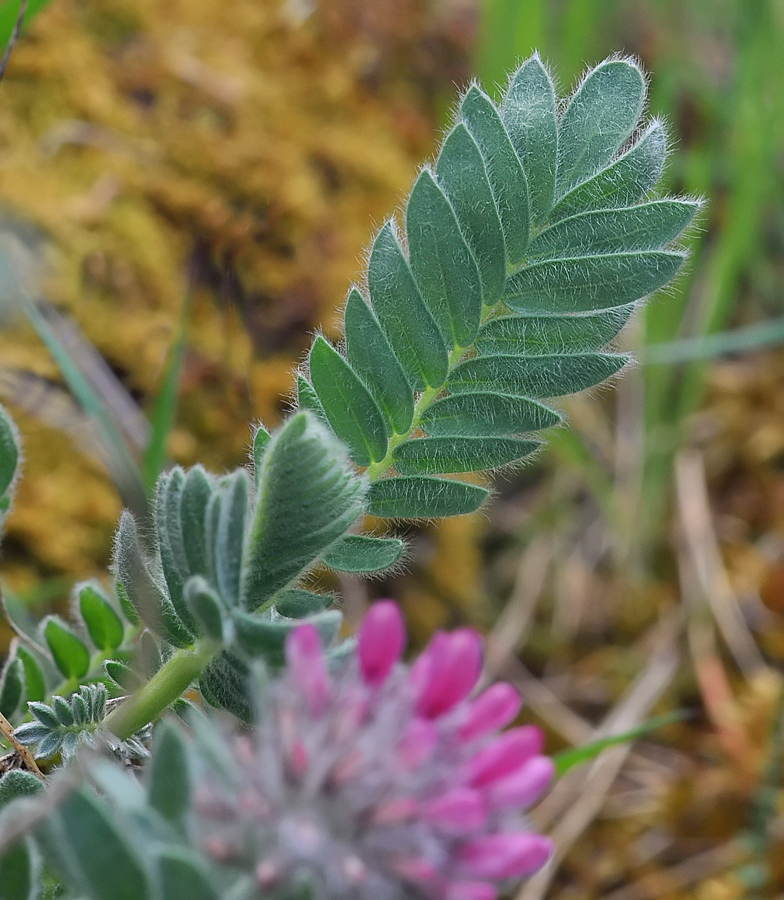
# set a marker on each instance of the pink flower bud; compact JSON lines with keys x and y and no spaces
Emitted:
{"x":510,"y":855}
{"x":459,"y":811}
{"x":381,"y":641}
{"x":504,"y":755}
{"x":493,"y":709}
{"x":453,"y":666}
{"x":523,"y":786}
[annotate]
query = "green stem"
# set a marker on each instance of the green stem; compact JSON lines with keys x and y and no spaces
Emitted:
{"x":167,"y":685}
{"x":377,"y":469}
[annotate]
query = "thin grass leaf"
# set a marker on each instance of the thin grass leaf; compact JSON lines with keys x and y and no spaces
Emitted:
{"x":575,"y":756}
{"x":164,"y":408}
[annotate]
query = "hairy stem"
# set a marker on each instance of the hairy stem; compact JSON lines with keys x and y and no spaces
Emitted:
{"x":167,"y":685}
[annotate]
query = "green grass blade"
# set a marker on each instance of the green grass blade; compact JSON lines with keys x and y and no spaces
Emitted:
{"x":164,"y":408}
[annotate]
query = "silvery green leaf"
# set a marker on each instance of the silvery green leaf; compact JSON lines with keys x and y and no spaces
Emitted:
{"x":69,"y":652}
{"x":443,"y":266}
{"x":12,"y":686}
{"x":20,"y":872}
{"x":436,"y":455}
{"x":586,"y":283}
{"x":207,"y":610}
{"x":196,"y":493}
{"x":646,"y":226}
{"x":362,"y":553}
{"x":308,"y":497}
{"x":422,"y":497}
{"x":625,"y":181}
{"x":531,"y":335}
{"x":184,"y":875}
{"x":535,"y":376}
{"x":230,"y":536}
{"x":307,"y":399}
{"x":296,"y":603}
{"x":407,"y":322}
{"x":103,"y":624}
{"x":168,"y":773}
{"x":372,"y":358}
{"x":145,"y":593}
{"x":599,"y":118}
{"x":261,"y":438}
{"x":349,"y":406}
{"x":462,"y":175}
{"x":528,"y":112}
{"x":504,"y":169}
{"x":486,"y":414}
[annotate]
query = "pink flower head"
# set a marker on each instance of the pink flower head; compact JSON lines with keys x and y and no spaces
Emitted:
{"x":377,"y":781}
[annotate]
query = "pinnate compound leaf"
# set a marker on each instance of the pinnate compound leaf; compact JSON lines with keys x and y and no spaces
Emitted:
{"x":436,"y":455}
{"x":586,"y":283}
{"x":528,"y":112}
{"x":69,"y":652}
{"x":598,"y":120}
{"x":87,"y":841}
{"x":349,"y":406}
{"x":535,"y":376}
{"x":168,"y":777}
{"x":407,"y":322}
{"x":486,"y":414}
{"x":551,"y":335}
{"x":309,"y":496}
{"x":646,"y":226}
{"x":622,"y":183}
{"x":422,"y":497}
{"x":103,"y":624}
{"x":370,"y":355}
{"x":504,"y":169}
{"x":184,"y":875}
{"x":462,"y":175}
{"x":443,"y":266}
{"x":361,"y":553}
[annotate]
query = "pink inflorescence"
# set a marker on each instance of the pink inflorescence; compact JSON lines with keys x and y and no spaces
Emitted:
{"x":381,"y":781}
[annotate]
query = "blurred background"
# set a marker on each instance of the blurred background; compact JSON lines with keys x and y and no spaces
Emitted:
{"x":186,"y":193}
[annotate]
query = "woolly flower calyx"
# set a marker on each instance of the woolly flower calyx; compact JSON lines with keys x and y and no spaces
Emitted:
{"x":379,"y":781}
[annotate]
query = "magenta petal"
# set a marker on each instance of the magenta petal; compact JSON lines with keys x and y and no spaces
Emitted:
{"x":470,"y":890}
{"x":510,"y":855}
{"x":507,"y":753}
{"x":382,"y":638}
{"x":454,"y":663}
{"x":493,"y":709}
{"x":459,"y":811}
{"x":306,"y":663}
{"x":521,"y":788}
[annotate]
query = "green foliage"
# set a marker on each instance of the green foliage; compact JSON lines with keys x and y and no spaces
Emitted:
{"x":9,"y":461}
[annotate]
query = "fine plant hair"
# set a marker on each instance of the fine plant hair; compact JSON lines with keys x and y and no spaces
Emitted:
{"x":520,"y":253}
